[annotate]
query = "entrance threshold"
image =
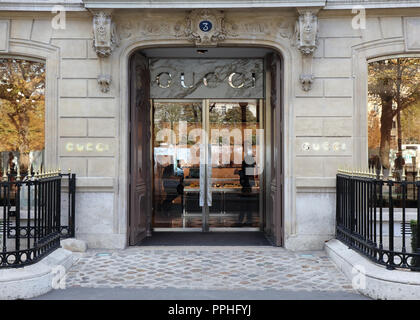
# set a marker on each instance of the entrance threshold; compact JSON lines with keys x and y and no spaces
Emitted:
{"x":218,"y":229}
{"x":214,"y":238}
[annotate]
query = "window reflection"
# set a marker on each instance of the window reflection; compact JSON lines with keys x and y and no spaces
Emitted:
{"x":394,"y":118}
{"x":176,"y":133}
{"x":235,"y":176}
{"x":22,"y":114}
{"x":234,"y":164}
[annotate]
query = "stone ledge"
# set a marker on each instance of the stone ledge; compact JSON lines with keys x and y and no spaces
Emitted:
{"x":92,"y":184}
{"x":35,"y":279}
{"x":317,"y":182}
{"x":299,"y":242}
{"x":41,"y":5}
{"x":73,"y":245}
{"x":381,"y":283}
{"x":103,"y":240}
{"x":190,"y":4}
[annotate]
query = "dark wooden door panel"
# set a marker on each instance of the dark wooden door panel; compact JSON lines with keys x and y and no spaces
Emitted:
{"x":139,"y":149}
{"x":277,"y":160}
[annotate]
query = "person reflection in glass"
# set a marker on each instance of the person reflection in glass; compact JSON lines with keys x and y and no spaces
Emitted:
{"x":246,"y":179}
{"x":173,"y":179}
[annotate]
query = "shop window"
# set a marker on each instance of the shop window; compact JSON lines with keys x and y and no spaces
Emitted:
{"x":394,"y":116}
{"x":22,"y":115}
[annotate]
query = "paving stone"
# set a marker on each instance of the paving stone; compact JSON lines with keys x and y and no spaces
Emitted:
{"x":210,"y":268}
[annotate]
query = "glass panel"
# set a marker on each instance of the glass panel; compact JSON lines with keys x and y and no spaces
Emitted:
{"x":394,"y":122}
{"x":177,"y":130}
{"x":235,"y":138}
{"x":22,"y":115}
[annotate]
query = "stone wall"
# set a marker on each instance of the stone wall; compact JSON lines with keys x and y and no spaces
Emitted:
{"x":325,"y":127}
{"x":331,"y":118}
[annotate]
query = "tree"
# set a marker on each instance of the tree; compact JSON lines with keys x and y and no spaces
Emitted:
{"x":22,"y":106}
{"x":410,"y":124}
{"x":394,"y":85}
{"x":239,"y":114}
{"x":374,"y":129}
{"x":167,"y":115}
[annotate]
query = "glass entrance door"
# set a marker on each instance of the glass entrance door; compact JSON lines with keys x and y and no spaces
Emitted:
{"x":207,"y":158}
{"x":236,"y":140}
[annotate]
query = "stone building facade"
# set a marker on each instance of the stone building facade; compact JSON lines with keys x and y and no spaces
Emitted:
{"x":324,"y":46}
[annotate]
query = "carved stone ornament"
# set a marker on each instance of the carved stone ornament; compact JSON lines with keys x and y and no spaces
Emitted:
{"x":306,"y":32}
{"x":104,"y":81}
{"x":306,"y":81}
{"x":105,"y":37}
{"x":204,"y":27}
{"x":306,"y":41}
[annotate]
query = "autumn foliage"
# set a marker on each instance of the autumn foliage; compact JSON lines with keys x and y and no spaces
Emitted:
{"x":22,"y":106}
{"x":394,"y":96}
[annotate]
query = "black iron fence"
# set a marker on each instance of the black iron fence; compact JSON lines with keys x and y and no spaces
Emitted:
{"x":68,"y":207}
{"x":378,"y":217}
{"x":34,"y":216}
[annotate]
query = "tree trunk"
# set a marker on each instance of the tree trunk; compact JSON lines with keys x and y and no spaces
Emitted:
{"x":24,"y":143}
{"x":399,"y":134}
{"x":386,"y":127}
{"x":243,"y":106}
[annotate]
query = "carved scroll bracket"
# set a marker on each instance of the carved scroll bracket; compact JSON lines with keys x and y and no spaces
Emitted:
{"x":105,"y":37}
{"x":105,"y":40}
{"x":306,"y":41}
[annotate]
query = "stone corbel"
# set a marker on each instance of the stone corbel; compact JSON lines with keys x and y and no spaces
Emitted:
{"x":306,"y":41}
{"x":105,"y":37}
{"x":105,"y":40}
{"x":104,"y":77}
{"x":104,"y":81}
{"x":306,"y":80}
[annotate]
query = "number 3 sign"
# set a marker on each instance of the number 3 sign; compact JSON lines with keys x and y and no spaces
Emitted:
{"x":205,"y":26}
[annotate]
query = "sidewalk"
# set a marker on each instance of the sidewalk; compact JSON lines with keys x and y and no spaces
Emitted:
{"x":188,"y":294}
{"x":208,"y":268}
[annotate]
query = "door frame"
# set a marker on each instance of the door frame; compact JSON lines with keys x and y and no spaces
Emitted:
{"x":286,"y":54}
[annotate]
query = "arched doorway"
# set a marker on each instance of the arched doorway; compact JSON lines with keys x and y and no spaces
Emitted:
{"x":179,"y":181}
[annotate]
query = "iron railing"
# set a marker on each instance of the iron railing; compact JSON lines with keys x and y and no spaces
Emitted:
{"x":67,"y":227}
{"x":33,"y":216}
{"x":378,"y":217}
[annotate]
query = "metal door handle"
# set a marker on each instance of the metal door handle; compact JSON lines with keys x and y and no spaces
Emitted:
{"x":209,"y":173}
{"x":205,"y":180}
{"x":202,"y":175}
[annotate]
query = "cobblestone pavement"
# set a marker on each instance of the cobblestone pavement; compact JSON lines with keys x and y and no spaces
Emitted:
{"x":207,"y":268}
